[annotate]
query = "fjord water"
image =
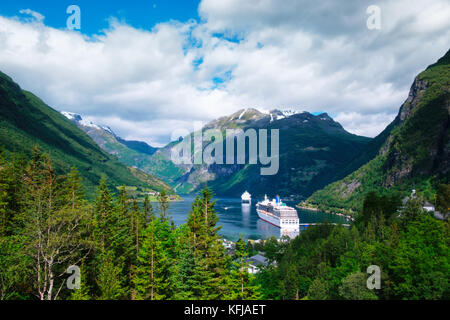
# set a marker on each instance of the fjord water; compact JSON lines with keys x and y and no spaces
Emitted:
{"x":242,"y":220}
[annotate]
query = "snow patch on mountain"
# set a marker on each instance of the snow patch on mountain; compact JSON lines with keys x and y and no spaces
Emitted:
{"x":78,"y":119}
{"x":71,"y":115}
{"x":108,"y":129}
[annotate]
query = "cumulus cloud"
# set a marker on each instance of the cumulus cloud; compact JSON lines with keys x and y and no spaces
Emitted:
{"x":362,"y":124}
{"x":296,"y":54}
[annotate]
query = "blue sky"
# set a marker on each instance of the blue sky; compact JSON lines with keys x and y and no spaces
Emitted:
{"x":143,"y":14}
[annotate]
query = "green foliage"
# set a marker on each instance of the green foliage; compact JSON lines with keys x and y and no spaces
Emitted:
{"x":421,"y":260}
{"x":83,"y":292}
{"x":443,"y":199}
{"x":202,"y":249}
{"x":318,"y":290}
{"x":12,"y":268}
{"x":153,"y":273}
{"x":330,"y":262}
{"x":109,"y":280}
{"x":354,"y":287}
{"x":241,"y":282}
{"x":126,"y":251}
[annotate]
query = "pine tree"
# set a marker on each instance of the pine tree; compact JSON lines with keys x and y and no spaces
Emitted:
{"x":163,"y":200}
{"x":122,"y":206}
{"x":103,"y":214}
{"x":208,"y":272}
{"x":148,"y":210}
{"x":74,"y":194}
{"x":109,"y":279}
{"x":122,"y":235}
{"x":83,"y":292}
{"x":4,"y":186}
{"x":112,"y":231}
{"x":137,"y":224}
{"x":17,"y":192}
{"x":152,"y":278}
{"x":240,"y":280}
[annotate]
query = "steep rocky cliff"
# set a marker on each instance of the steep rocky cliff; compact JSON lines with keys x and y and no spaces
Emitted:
{"x":414,"y":151}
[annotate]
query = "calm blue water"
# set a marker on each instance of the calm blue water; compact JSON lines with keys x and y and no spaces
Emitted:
{"x":242,"y":220}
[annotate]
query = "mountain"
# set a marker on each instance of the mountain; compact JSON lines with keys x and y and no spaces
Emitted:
{"x":135,"y":154}
{"x":138,"y":146}
{"x":129,"y":152}
{"x":413,"y":152}
{"x":313,"y":150}
{"x":25,"y":121}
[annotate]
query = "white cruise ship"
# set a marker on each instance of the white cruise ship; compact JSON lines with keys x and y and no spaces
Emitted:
{"x":278,"y":214}
{"x":246,"y":197}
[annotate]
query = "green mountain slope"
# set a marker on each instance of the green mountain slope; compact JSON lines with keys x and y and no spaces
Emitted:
{"x":313,"y":149}
{"x":25,"y":120}
{"x":135,"y":154}
{"x":415,"y":148}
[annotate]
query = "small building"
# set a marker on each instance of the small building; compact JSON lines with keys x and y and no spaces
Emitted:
{"x":227,"y":244}
{"x":256,"y":262}
{"x":429,"y":207}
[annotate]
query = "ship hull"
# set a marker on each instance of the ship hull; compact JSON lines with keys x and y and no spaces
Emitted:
{"x":273,"y":220}
{"x":267,"y":218}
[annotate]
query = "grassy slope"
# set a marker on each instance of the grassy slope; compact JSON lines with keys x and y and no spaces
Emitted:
{"x":417,"y":145}
{"x":25,"y":120}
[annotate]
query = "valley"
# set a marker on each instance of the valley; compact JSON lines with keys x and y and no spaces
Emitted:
{"x":314,"y":150}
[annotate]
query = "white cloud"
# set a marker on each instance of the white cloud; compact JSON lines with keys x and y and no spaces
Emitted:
{"x":298,"y":54}
{"x":362,"y":124}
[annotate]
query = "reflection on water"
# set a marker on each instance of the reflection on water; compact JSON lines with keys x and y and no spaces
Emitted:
{"x":245,"y":209}
{"x":242,"y":220}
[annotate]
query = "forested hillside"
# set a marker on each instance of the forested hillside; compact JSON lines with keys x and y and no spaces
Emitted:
{"x":25,"y":121}
{"x":408,"y":245}
{"x":127,"y":250}
{"x":123,"y":249}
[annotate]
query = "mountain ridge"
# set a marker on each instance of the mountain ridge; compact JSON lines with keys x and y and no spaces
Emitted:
{"x":25,"y":121}
{"x":222,"y":178}
{"x":413,"y":151}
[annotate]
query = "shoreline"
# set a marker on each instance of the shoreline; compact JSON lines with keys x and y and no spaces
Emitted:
{"x":315,"y":209}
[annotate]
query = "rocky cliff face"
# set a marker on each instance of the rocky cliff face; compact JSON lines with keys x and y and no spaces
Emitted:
{"x":414,"y":150}
{"x":416,"y":92}
{"x":425,"y":111}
